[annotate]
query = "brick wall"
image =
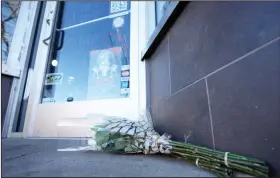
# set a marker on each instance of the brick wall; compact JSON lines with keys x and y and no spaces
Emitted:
{"x":217,"y":74}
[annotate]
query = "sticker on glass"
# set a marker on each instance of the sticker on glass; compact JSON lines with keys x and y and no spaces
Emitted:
{"x":48,"y":100}
{"x":125,"y":73}
{"x":124,"y":91}
{"x":118,"y":22}
{"x":70,"y":80}
{"x":117,"y":6}
{"x":125,"y":84}
{"x":125,"y":67}
{"x":53,"y":78}
{"x":124,"y":79}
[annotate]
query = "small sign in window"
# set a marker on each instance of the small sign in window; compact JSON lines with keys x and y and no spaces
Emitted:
{"x":53,"y":78}
{"x":117,"y":6}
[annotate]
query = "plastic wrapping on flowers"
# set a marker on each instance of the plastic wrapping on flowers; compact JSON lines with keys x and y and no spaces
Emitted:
{"x":117,"y":134}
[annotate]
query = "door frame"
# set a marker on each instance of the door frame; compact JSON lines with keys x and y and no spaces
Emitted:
{"x":138,"y":95}
{"x":17,"y":61}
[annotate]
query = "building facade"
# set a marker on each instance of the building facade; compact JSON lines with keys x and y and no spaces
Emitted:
{"x":208,"y":72}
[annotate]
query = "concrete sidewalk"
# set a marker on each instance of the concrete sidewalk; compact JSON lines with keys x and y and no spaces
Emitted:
{"x":39,"y":157}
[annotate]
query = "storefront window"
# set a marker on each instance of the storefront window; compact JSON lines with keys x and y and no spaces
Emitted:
{"x":94,"y":60}
{"x":10,"y":10}
{"x":160,"y":9}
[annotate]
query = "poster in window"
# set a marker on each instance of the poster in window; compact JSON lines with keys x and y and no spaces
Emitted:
{"x":105,"y":73}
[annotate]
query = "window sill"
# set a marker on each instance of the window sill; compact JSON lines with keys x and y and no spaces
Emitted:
{"x":172,"y":12}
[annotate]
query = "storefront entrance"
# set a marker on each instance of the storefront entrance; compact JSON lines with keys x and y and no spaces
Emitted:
{"x":87,"y":62}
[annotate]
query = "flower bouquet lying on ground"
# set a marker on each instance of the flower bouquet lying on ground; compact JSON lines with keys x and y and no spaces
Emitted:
{"x":120,"y":135}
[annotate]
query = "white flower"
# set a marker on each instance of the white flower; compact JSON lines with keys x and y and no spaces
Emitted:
{"x":93,"y":145}
{"x":131,"y":132}
{"x":161,"y":149}
{"x":149,"y":134}
{"x":146,"y":151}
{"x":116,"y":129}
{"x":155,"y":149}
{"x":93,"y":135}
{"x":147,"y":145}
{"x":136,"y":143}
{"x":91,"y":142}
{"x":155,"y":137}
{"x":124,"y":129}
{"x":141,"y":134}
{"x":167,"y":151}
{"x":164,"y":142}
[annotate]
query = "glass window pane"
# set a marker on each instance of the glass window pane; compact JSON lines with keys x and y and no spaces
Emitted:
{"x":9,"y":11}
{"x":94,"y":60}
{"x":79,"y":12}
{"x":160,"y":8}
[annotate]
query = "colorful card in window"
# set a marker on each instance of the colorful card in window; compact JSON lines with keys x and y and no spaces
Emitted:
{"x":125,"y":84}
{"x":105,"y":73}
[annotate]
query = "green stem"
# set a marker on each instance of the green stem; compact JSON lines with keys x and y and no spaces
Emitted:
{"x":248,"y":164}
{"x":174,"y":143}
{"x":188,"y":154}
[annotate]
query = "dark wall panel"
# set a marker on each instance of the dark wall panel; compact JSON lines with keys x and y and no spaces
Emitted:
{"x":186,"y":111}
{"x":245,"y":103}
{"x":160,"y":72}
{"x":6,"y":85}
{"x":244,"y":95}
{"x":209,"y":35}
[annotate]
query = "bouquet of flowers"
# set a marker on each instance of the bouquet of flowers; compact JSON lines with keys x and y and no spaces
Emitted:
{"x":121,"y":135}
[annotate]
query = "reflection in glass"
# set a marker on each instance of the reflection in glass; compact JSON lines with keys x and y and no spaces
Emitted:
{"x":9,"y":14}
{"x":95,"y":53}
{"x":161,"y":7}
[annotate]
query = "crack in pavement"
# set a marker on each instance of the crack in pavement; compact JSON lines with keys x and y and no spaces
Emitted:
{"x":25,"y":154}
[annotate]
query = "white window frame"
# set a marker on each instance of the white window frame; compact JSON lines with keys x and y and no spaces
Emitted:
{"x":17,"y":59}
{"x":163,"y":9}
{"x":147,"y":22}
{"x":36,"y":81}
